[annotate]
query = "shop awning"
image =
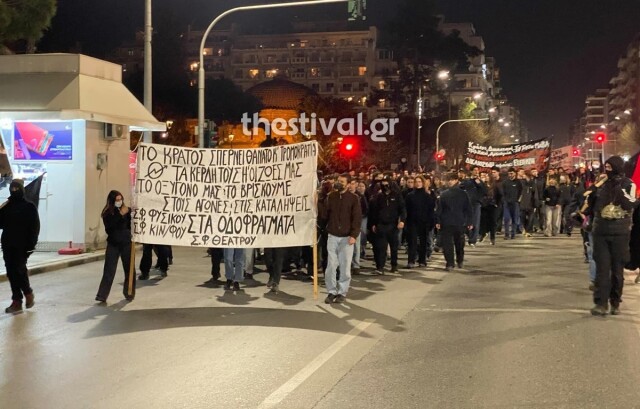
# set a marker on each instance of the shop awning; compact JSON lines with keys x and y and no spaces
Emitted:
{"x":72,"y":95}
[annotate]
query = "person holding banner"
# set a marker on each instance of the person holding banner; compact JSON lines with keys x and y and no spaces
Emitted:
{"x":234,"y":264}
{"x":117,"y":223}
{"x":343,"y":215}
{"x":20,"y":227}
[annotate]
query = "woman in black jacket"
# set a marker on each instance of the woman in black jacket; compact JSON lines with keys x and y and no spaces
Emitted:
{"x":490,"y":208}
{"x":117,"y":223}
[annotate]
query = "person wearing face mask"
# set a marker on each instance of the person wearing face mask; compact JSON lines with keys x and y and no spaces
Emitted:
{"x":117,"y":223}
{"x":20,"y":227}
{"x":343,"y":215}
{"x":387,"y":215}
{"x":611,"y":204}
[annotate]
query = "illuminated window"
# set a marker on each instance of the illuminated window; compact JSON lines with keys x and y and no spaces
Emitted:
{"x":207,"y":51}
{"x":362,"y":71}
{"x":382,"y":103}
{"x":253,"y":73}
{"x":382,"y":84}
{"x":271,"y":73}
{"x":194,"y":66}
{"x":314,"y":72}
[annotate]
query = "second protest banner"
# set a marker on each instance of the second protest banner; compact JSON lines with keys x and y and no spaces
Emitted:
{"x":227,"y":198}
{"x":527,"y":155}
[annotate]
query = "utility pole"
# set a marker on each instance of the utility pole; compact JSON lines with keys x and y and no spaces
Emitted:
{"x":148,"y":82}
{"x":420,"y":108}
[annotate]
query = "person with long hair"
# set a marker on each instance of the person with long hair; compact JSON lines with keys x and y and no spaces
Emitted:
{"x":117,"y":223}
{"x":490,"y":206}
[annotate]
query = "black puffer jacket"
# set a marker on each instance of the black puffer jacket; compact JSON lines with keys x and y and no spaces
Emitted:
{"x":421,"y":207}
{"x":118,"y":227}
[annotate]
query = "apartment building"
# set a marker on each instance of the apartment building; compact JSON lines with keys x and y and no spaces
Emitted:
{"x":624,"y":101}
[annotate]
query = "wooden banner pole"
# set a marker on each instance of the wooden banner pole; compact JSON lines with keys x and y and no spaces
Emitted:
{"x":315,"y":264}
{"x":132,"y":268}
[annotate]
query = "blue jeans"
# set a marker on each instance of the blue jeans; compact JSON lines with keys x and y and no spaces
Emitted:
{"x":473,"y":234}
{"x":363,"y":236}
{"x":592,"y":263}
{"x":234,"y":260}
{"x":510,"y":218}
{"x":340,"y":253}
{"x":355,"y":261}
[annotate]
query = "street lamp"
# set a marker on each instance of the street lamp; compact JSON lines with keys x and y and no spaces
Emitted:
{"x":206,"y":34}
{"x":231,"y":136}
{"x":148,"y":83}
{"x":477,"y":96}
{"x":449,"y":121}
{"x":443,"y":75}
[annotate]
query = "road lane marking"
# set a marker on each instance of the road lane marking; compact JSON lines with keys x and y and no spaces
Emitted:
{"x":499,"y":310}
{"x":283,"y":391}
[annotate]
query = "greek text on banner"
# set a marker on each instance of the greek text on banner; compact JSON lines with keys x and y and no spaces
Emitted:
{"x":227,"y":198}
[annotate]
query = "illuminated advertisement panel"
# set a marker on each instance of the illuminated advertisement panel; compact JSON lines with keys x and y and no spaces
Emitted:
{"x":42,"y":141}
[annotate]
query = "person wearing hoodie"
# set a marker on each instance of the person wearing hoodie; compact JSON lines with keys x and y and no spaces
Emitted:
{"x":420,"y":221}
{"x":566,"y":194}
{"x":511,"y":195}
{"x":453,"y":217}
{"x":387,"y":216}
{"x":20,"y":227}
{"x":552,"y":208}
{"x":611,"y":205}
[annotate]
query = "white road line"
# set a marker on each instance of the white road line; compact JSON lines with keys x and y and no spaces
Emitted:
{"x":499,"y":310}
{"x":283,"y":391}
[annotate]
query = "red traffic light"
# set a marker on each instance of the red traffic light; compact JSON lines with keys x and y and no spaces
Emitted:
{"x":576,"y":152}
{"x":349,"y":148}
{"x":601,"y":137}
{"x":440,"y":155}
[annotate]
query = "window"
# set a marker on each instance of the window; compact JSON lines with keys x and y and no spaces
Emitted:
{"x":253,"y":73}
{"x":347,"y":87}
{"x":362,"y":71}
{"x":329,"y":87}
{"x":238,"y":74}
{"x":314,"y":72}
{"x":207,"y":51}
{"x":131,"y":53}
{"x":382,"y":84}
{"x":315,"y":87}
{"x":271,"y":73}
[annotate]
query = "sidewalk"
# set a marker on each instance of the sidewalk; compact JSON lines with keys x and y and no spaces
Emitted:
{"x":43,"y":262}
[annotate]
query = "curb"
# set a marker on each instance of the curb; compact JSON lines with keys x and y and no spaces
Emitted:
{"x":61,"y":264}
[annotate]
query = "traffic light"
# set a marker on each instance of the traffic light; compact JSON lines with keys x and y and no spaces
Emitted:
{"x":349,"y":148}
{"x":601,"y":137}
{"x":576,"y":152}
{"x":440,"y":155}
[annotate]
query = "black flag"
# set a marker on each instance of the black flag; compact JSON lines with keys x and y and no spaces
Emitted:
{"x":32,"y":190}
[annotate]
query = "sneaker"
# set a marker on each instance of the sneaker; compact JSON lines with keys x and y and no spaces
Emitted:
{"x":248,"y":276}
{"x":16,"y":306}
{"x":339,"y":299}
{"x":460,"y":265}
{"x":599,"y":310}
{"x":637,"y":280}
{"x":355,"y":271}
{"x":236,"y":286}
{"x":170,"y":261}
{"x":380,"y":271}
{"x":615,"y":310}
{"x":394,"y":269}
{"x":506,"y":237}
{"x":228,"y":284}
{"x":275,"y":289}
{"x":592,"y":286}
{"x":410,"y":266}
{"x":448,"y":268}
{"x":143,"y":276}
{"x":100,"y":299}
{"x":270,"y":283}
{"x":472,"y":244}
{"x":422,"y":265}
{"x":30,"y":300}
{"x":493,"y":242}
{"x":163,"y":273}
{"x":329,"y":299}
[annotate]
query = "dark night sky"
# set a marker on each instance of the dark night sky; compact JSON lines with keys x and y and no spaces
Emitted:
{"x":552,"y":53}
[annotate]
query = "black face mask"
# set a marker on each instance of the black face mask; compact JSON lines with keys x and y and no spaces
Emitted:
{"x":338,"y":186}
{"x":16,"y":194}
{"x":386,"y":188}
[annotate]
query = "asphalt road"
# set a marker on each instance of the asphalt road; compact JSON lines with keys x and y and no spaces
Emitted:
{"x":512,"y":330}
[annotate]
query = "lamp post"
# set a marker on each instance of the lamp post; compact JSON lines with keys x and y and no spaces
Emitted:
{"x":148,"y":83}
{"x":206,"y":34}
{"x":420,"y":108}
{"x":449,"y":121}
{"x":231,"y":136}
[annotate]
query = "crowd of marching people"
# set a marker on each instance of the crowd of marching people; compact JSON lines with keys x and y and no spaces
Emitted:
{"x":423,"y":212}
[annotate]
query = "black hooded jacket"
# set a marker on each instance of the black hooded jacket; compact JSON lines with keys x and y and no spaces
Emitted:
{"x":20,"y":224}
{"x":421,"y":207}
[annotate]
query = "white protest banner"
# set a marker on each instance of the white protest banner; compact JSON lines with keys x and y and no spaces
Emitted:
{"x":562,"y":158}
{"x":227,"y":198}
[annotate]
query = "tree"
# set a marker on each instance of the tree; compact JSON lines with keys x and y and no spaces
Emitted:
{"x":23,"y":22}
{"x":628,"y":138}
